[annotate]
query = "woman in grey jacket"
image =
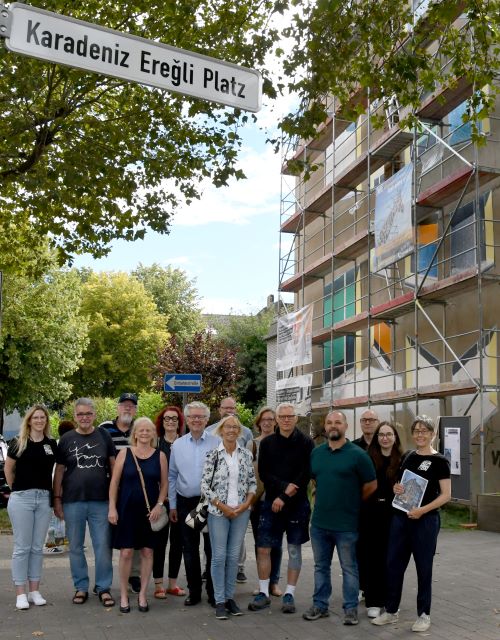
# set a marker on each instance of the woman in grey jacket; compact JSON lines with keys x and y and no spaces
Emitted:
{"x":229,"y":485}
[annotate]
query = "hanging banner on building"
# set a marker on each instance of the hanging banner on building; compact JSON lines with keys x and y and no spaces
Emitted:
{"x":297,"y":391}
{"x":295,"y":339}
{"x":394,"y":236}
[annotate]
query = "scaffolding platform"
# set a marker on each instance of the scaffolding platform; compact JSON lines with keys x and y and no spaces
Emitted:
{"x":445,"y":191}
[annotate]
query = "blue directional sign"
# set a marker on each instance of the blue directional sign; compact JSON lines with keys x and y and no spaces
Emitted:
{"x":182,"y":382}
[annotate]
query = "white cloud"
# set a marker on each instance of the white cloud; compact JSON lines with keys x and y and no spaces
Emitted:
{"x":177,"y":261}
{"x":241,"y":200}
{"x":234,"y":306}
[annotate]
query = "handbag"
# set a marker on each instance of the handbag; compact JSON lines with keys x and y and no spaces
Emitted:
{"x":197,"y":517}
{"x":162,"y":520}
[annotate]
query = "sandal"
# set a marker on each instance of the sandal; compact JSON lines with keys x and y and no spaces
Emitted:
{"x":80,"y":597}
{"x":106,"y":598}
{"x":176,"y":591}
{"x":160,"y":592}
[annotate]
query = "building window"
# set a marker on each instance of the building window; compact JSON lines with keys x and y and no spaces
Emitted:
{"x":463,"y":236}
{"x":339,"y":304}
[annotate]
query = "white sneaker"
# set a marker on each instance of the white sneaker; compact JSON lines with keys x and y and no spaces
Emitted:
{"x":422,"y":623}
{"x":22,"y":602}
{"x":373,"y":612}
{"x":36,"y":598}
{"x":386,"y":618}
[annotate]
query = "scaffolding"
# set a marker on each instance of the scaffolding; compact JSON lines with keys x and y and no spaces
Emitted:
{"x":418,"y":334}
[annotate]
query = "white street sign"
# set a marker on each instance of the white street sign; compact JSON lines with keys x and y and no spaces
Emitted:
{"x":75,"y":43}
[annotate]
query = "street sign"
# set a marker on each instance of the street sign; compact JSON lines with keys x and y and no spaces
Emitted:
{"x":182,"y":382}
{"x":56,"y":38}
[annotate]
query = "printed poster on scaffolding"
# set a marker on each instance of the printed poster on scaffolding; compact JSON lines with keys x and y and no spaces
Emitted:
{"x":297,"y":391}
{"x":394,"y":234}
{"x":295,"y":339}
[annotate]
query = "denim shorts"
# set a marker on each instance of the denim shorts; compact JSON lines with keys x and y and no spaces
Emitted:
{"x":292,"y":520}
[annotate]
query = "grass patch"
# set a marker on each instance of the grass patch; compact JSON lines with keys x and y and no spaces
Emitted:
{"x":5,"y":521}
{"x":453,"y":515}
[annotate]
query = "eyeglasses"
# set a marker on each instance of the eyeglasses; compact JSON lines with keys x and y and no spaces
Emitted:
{"x":267,"y":420}
{"x":368,"y":420}
{"x":170,"y":419}
{"x":87,"y":414}
{"x":197,"y":418}
{"x":233,"y":427}
{"x":386,"y":435}
{"x":418,"y":432}
{"x":287,"y":417}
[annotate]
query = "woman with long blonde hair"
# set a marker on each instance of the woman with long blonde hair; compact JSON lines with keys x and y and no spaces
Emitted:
{"x":28,"y":471}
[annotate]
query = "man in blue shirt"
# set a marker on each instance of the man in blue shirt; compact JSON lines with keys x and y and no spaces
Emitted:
{"x":187,"y":458}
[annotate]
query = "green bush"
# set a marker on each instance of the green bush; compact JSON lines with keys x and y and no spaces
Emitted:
{"x":150,"y":404}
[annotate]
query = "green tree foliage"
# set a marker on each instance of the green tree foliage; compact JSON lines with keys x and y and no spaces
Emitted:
{"x":149,"y":405}
{"x":176,"y":298}
{"x":42,"y":338}
{"x":245,"y":335}
{"x":125,"y":333}
{"x":87,"y":158}
{"x":205,"y":354}
{"x":347,"y":48}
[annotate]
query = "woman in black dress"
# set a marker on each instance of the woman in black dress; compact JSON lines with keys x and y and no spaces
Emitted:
{"x":169,"y":426}
{"x":127,"y":505}
{"x":375,"y":520}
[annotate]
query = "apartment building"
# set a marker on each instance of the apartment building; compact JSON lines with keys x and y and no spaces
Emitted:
{"x":394,"y":240}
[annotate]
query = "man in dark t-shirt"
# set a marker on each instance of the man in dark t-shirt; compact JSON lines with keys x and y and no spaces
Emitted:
{"x":85,"y":459}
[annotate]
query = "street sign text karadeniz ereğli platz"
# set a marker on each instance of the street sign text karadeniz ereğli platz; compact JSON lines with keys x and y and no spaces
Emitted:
{"x":42,"y":34}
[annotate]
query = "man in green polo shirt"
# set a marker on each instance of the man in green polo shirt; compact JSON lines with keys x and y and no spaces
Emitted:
{"x":345,"y":476}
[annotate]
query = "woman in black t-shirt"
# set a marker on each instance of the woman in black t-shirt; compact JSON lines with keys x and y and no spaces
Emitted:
{"x":415,"y":532}
{"x":28,"y":471}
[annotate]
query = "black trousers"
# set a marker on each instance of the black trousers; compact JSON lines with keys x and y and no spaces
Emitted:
{"x":174,"y":552}
{"x":191,"y":549}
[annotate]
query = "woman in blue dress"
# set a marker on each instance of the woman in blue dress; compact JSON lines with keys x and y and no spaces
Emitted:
{"x":128,"y":511}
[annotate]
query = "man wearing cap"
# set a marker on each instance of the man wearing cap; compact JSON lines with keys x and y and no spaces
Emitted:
{"x":119,"y":429}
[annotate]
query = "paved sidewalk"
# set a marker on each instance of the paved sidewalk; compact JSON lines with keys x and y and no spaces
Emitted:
{"x":466,"y":604}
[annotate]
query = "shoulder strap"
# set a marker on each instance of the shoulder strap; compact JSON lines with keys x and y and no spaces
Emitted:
{"x":141,"y":478}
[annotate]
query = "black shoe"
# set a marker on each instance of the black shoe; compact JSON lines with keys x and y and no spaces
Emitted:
{"x":233,"y":608}
{"x":142,"y":608}
{"x":220,"y":611}
{"x":135,"y":584}
{"x":241,"y":577}
{"x":125,"y":609}
{"x":190,"y":601}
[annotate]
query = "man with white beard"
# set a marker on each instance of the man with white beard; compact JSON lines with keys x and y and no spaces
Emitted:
{"x":119,"y":429}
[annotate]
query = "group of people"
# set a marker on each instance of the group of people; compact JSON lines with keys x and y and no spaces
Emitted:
{"x":128,"y":471}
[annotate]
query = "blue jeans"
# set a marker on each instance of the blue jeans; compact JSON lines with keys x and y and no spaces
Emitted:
{"x":225,"y":538}
{"x":407,"y":537}
{"x":77,"y":515}
{"x":323,"y":543}
{"x":29,"y":512}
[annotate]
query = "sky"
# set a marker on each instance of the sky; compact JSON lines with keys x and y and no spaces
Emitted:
{"x":228,"y":241}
